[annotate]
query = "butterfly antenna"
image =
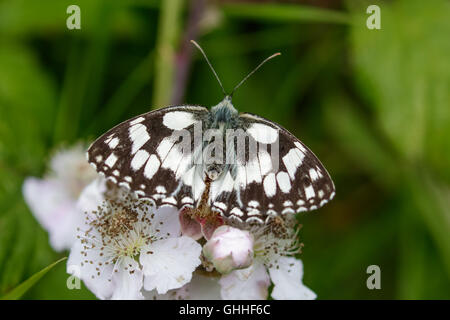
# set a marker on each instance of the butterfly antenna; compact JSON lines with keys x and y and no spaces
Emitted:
{"x":210,"y":65}
{"x":254,"y":70}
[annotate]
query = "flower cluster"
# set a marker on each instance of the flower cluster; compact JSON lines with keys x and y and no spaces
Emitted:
{"x":54,"y":200}
{"x":123,"y":247}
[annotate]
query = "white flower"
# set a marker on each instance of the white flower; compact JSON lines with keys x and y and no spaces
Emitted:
{"x":273,"y":262}
{"x":251,"y":283}
{"x":287,"y":279}
{"x":201,"y":287}
{"x":127,"y":246}
{"x":54,"y":199}
{"x":229,"y":248}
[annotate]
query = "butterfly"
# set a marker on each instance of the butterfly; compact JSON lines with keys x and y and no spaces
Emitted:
{"x":243,"y":166}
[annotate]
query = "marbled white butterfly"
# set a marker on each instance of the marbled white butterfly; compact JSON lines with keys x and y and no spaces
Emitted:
{"x":238,"y":165}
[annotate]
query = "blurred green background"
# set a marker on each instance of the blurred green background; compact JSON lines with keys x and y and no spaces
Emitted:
{"x":374,"y":105}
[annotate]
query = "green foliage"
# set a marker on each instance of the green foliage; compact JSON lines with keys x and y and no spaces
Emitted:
{"x":372,"y":104}
{"x":21,"y":289}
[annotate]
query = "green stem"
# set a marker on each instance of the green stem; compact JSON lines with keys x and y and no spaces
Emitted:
{"x":167,"y":39}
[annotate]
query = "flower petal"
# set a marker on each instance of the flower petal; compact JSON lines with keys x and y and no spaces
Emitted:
{"x":94,"y":269}
{"x":287,"y":277}
{"x":70,"y":167}
{"x":92,"y":195}
{"x":127,"y":281}
{"x":210,"y":225}
{"x":200,"y":288}
{"x":168,"y":264}
{"x":251,"y":283}
{"x":166,"y":223}
{"x":54,"y":209}
{"x":229,"y":248}
{"x":189,"y":226}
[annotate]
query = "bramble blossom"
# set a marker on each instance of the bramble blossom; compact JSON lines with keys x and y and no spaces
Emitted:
{"x":273,"y":262}
{"x":53,"y":200}
{"x":229,"y":248}
{"x":201,"y":287}
{"x":127,"y":246}
{"x":122,"y":247}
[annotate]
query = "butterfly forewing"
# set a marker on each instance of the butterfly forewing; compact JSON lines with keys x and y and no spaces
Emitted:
{"x":144,"y":155}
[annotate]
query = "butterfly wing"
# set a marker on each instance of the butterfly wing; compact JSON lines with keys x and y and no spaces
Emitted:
{"x":272,"y":183}
{"x":147,"y":154}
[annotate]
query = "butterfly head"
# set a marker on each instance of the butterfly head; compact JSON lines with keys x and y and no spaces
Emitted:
{"x":224,"y":111}
{"x":213,"y":171}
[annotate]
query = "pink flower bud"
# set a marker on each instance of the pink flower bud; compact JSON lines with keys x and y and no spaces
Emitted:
{"x":229,"y":248}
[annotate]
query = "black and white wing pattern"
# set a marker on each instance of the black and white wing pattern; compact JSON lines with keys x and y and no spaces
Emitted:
{"x":262,"y":186}
{"x":145,"y":154}
{"x":158,"y":156}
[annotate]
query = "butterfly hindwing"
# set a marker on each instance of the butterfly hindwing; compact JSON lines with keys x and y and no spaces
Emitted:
{"x":143,"y":155}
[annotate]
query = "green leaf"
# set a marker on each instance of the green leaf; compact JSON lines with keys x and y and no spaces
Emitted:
{"x":17,"y":292}
{"x":404,"y":70}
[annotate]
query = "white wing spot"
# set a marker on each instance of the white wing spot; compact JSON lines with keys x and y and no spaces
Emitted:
{"x":170,"y":200}
{"x":164,"y":147}
{"x":139,"y":159}
{"x":263,"y":133}
{"x":321,"y":194}
{"x":313,"y":174}
{"x":111,"y":160}
{"x":113,"y":143}
{"x":253,"y":204}
{"x":292,"y":162}
{"x":288,"y":203}
{"x":187,"y":200}
{"x":161,"y":189}
{"x":220,"y":205}
{"x":265,"y":161}
{"x":178,"y":120}
{"x":283,"y":181}
{"x":253,"y":212}
{"x":300,"y":146}
{"x":287,"y":210}
{"x":151,"y":167}
{"x":173,"y":159}
{"x":309,"y":192}
{"x":257,"y":219}
{"x":270,"y":186}
{"x":139,"y":136}
{"x":253,"y":171}
{"x":236,"y":211}
{"x":137,"y":120}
